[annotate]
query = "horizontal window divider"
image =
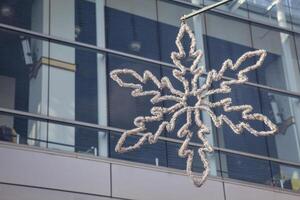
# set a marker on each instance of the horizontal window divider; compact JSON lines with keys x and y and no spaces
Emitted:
{"x":94,"y":48}
{"x":239,"y":17}
{"x":69,"y":122}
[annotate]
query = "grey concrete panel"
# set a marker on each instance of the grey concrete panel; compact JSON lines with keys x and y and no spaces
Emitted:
{"x":144,"y":184}
{"x":12,"y":192}
{"x":54,"y":171}
{"x":238,"y":192}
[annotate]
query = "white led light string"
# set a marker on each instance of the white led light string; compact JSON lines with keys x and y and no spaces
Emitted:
{"x":181,"y":107}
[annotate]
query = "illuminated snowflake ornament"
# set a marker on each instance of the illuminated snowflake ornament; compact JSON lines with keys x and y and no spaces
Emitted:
{"x":192,"y":88}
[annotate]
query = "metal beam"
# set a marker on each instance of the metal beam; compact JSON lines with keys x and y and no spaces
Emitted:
{"x":113,"y":130}
{"x":204,"y":9}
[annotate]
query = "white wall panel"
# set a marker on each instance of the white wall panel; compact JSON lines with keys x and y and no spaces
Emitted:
{"x":238,"y":192}
{"x":12,"y":192}
{"x":52,"y":171}
{"x":142,"y":184}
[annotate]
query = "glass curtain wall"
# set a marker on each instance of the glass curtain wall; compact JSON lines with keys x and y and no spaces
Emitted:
{"x":70,"y":82}
{"x":55,"y":80}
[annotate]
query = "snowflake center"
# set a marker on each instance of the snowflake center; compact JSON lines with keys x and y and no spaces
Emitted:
{"x":191,"y":100}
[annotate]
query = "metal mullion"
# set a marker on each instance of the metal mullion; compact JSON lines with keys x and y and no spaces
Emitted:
{"x":75,"y":44}
{"x":112,"y":130}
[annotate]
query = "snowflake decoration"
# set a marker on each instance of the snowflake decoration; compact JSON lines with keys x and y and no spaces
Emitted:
{"x":191,"y":88}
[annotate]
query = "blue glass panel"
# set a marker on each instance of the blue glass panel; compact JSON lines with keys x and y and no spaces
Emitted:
{"x":131,"y":34}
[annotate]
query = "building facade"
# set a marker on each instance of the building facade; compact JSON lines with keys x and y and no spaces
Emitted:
{"x":61,"y":115}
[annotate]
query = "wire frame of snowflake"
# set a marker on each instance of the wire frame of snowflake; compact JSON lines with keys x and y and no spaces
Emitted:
{"x":192,"y":88}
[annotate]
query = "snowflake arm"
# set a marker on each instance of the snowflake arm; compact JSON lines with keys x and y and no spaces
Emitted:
{"x":246,"y":115}
{"x":193,"y":53}
{"x":241,"y":75}
{"x":140,"y":123}
{"x":138,"y":87}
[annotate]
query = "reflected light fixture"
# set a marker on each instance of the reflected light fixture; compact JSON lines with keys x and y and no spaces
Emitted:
{"x":26,"y":51}
{"x":236,"y":4}
{"x":6,"y":11}
{"x":272,"y":5}
{"x":135,"y":46}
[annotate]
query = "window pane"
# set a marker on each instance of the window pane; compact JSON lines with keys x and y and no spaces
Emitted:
{"x":53,"y":136}
{"x":27,"y":14}
{"x":280,"y":69}
{"x":297,"y":41}
{"x":246,"y":169}
{"x":281,"y":110}
{"x":295,"y":14}
{"x":286,"y":177}
{"x":168,"y":22}
{"x":174,"y":161}
{"x":121,"y":104}
{"x":78,"y":20}
{"x":82,"y":96}
{"x":285,"y":112}
{"x":131,"y":27}
{"x":270,"y":12}
{"x":236,"y":7}
{"x":23,"y":77}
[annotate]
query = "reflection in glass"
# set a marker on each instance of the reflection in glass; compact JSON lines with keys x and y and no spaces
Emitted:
{"x":54,"y":80}
{"x":280,"y":69}
{"x":295,"y":14}
{"x":281,"y":109}
{"x":246,"y":169}
{"x":19,"y":133}
{"x":286,"y":177}
{"x":121,"y":104}
{"x":25,"y":14}
{"x":236,"y":7}
{"x":270,"y":12}
{"x":131,"y":27}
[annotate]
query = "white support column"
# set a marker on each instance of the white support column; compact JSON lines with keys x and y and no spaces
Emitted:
{"x":198,"y":22}
{"x":52,"y":84}
{"x":62,"y":80}
{"x":101,"y":85}
{"x":38,"y":85}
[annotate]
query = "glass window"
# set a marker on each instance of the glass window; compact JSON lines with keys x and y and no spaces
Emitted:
{"x":81,"y":97}
{"x":121,"y":104}
{"x":168,"y":17}
{"x":131,"y":27}
{"x":226,"y":38}
{"x":295,"y":14}
{"x":27,"y":14}
{"x":236,"y":7}
{"x":297,"y":41}
{"x":223,"y":43}
{"x":280,"y":63}
{"x":247,"y":169}
{"x":280,"y":69}
{"x":286,"y":177}
{"x":270,"y":12}
{"x":53,"y":136}
{"x":80,"y":20}
{"x":19,"y":60}
{"x":52,"y":80}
